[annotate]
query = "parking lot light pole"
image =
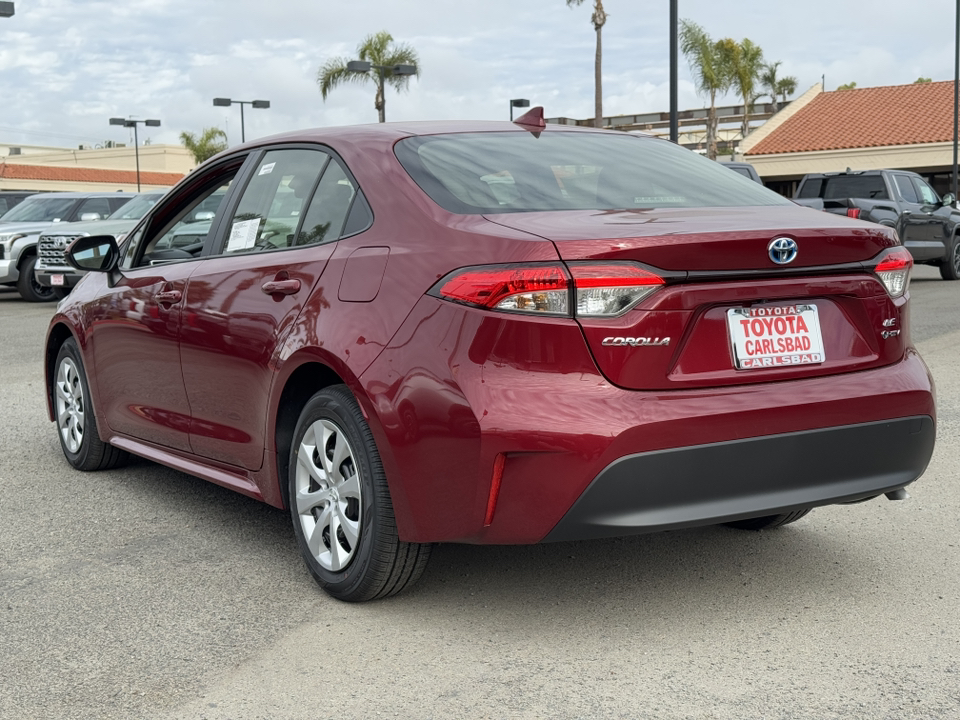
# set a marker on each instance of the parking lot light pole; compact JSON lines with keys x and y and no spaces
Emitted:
{"x":363,"y":66}
{"x":136,"y":140}
{"x":519,"y":102}
{"x":227,"y":102}
{"x":956,"y":94}
{"x":6,"y":9}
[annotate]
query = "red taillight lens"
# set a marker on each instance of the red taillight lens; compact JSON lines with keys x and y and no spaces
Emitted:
{"x":893,"y":269}
{"x":540,"y":289}
{"x":603,"y":289}
{"x":853,"y":212}
{"x":609,"y":289}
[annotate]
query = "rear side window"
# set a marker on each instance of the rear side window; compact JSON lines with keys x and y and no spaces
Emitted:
{"x":810,"y":188}
{"x":328,"y":208}
{"x":855,"y":186}
{"x":474,"y":173}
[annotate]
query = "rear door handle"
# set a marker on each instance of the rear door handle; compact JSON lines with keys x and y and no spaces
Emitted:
{"x":281,"y":287}
{"x":168,"y":297}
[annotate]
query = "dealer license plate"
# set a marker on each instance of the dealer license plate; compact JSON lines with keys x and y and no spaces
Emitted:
{"x":56,"y":279}
{"x":768,"y":336}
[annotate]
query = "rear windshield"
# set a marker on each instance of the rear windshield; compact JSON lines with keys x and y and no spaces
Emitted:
{"x":40,"y":209}
{"x":501,"y":172}
{"x":845,"y":186}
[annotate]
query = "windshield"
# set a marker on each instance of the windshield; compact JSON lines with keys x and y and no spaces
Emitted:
{"x":473,"y":173}
{"x":40,"y":209}
{"x":137,"y":207}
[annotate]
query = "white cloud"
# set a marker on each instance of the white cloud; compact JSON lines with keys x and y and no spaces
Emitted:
{"x":66,"y":67}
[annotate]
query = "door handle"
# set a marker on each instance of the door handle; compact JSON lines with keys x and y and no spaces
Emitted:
{"x":168,"y":297}
{"x":281,"y":287}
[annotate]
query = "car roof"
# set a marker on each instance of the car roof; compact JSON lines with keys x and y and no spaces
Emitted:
{"x":400,"y":130}
{"x":95,"y":193}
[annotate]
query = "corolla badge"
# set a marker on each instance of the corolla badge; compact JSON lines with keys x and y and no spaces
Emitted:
{"x":782,"y":250}
{"x":635,"y":341}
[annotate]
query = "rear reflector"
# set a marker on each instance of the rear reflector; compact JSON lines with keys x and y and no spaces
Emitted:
{"x":610,"y":289}
{"x":893,"y":269}
{"x":853,"y":212}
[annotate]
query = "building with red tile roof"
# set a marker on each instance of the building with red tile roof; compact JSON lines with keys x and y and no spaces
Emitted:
{"x":43,"y":177}
{"x":906,"y":127}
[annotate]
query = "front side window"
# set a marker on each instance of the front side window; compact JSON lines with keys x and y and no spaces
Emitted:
{"x":273,"y":202}
{"x":95,"y":206}
{"x":927,"y":194}
{"x":179,"y":230}
{"x":474,"y":173}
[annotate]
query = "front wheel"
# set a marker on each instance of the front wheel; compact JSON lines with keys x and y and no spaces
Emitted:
{"x":340,"y":504}
{"x":76,"y":425}
{"x":950,"y":266}
{"x":768,"y":522}
{"x":27,"y":285}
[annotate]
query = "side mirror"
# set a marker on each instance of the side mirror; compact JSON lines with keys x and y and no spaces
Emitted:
{"x":97,"y":253}
{"x":204,"y":215}
{"x":948,"y":199}
{"x":89,"y":217}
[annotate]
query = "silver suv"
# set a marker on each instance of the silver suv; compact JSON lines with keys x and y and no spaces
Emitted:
{"x":53,"y":272}
{"x":21,"y":226}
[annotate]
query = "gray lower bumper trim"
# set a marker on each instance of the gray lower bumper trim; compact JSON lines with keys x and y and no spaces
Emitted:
{"x":709,"y":484}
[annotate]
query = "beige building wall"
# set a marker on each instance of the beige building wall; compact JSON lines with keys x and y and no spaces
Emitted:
{"x":158,"y":158}
{"x":929,"y":157}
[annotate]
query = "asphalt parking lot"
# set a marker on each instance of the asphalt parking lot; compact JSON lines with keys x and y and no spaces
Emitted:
{"x":146,"y":593}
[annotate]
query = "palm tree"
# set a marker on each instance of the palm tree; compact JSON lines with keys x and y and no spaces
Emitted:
{"x":599,"y":19}
{"x":777,"y":86}
{"x":747,"y":67}
{"x":377,"y":49}
{"x":211,"y":141}
{"x":786,"y":86}
{"x":710,"y":64}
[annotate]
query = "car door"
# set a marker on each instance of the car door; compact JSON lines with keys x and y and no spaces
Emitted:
{"x":135,"y":333}
{"x":244,"y":298}
{"x":913,"y":225}
{"x":937,"y":216}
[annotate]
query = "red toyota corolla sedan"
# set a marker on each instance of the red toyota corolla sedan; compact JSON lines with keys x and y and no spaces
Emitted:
{"x":492,"y":333}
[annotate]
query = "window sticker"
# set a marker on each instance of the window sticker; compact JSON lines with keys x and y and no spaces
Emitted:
{"x":267,"y":169}
{"x":243,"y":235}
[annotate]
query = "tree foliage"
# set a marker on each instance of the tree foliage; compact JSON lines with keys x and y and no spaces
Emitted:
{"x":847,"y":86}
{"x":711,"y":67}
{"x":746,"y":68}
{"x":378,"y":49}
{"x":599,"y":19}
{"x":921,"y":80}
{"x":212,"y":140}
{"x":777,"y":86}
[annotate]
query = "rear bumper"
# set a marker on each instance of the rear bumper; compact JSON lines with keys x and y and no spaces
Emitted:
{"x":720,"y":482}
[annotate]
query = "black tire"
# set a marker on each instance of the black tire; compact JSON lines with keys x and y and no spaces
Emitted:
{"x":768,"y":522}
{"x":72,"y":400}
{"x":60,"y":292}
{"x":27,"y":285}
{"x":950,"y":266}
{"x":378,"y":564}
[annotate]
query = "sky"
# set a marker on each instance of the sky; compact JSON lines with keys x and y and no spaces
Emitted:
{"x":66,"y":67}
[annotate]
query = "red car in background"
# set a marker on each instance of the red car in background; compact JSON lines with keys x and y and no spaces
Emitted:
{"x":493,"y":333}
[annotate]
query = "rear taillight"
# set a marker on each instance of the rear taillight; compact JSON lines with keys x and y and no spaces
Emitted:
{"x":539,"y":289}
{"x":893,"y":269}
{"x":609,"y":289}
{"x":603,"y":289}
{"x":853,"y":212}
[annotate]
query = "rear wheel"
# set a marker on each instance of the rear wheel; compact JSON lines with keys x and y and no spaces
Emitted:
{"x":950,"y":267}
{"x":340,"y":504}
{"x":76,"y":425}
{"x":768,"y":522}
{"x":30,"y":290}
